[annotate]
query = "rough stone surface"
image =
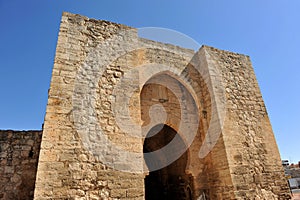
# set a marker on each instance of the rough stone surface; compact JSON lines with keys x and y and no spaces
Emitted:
{"x":106,"y":80}
{"x":19,"y":153}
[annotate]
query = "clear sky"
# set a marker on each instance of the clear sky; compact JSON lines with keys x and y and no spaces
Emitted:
{"x":266,"y":30}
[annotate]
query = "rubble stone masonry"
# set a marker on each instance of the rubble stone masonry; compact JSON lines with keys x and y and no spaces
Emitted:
{"x":19,"y":153}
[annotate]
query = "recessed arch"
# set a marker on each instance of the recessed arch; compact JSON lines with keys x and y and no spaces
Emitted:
{"x":166,"y":88}
{"x":159,"y":73}
{"x":184,"y":110}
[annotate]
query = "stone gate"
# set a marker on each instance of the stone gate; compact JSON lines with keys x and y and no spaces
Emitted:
{"x":131,"y":118}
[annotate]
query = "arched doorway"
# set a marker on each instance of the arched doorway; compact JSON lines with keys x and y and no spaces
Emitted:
{"x":170,"y":182}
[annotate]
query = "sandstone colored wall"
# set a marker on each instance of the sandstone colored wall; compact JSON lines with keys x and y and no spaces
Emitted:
{"x":19,"y":152}
{"x":104,"y":82}
{"x":66,"y":169}
{"x":251,"y":149}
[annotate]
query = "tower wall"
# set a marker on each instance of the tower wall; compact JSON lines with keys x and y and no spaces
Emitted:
{"x":92,"y":145}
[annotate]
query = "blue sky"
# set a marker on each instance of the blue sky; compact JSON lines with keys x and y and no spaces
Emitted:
{"x":268,"y":31}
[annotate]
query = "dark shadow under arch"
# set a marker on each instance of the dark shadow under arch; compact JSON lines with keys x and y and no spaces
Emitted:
{"x":170,"y":182}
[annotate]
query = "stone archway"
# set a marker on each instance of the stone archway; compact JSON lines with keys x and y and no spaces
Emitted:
{"x":168,"y":140}
{"x":170,"y":182}
{"x":91,"y":137}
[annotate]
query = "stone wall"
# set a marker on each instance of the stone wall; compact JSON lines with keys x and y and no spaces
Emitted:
{"x":19,"y":153}
{"x":251,"y":149}
{"x":106,"y":85}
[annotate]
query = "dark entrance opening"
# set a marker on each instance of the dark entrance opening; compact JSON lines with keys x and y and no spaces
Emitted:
{"x":170,"y":182}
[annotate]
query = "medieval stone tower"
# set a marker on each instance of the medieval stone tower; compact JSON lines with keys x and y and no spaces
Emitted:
{"x":130,"y":118}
